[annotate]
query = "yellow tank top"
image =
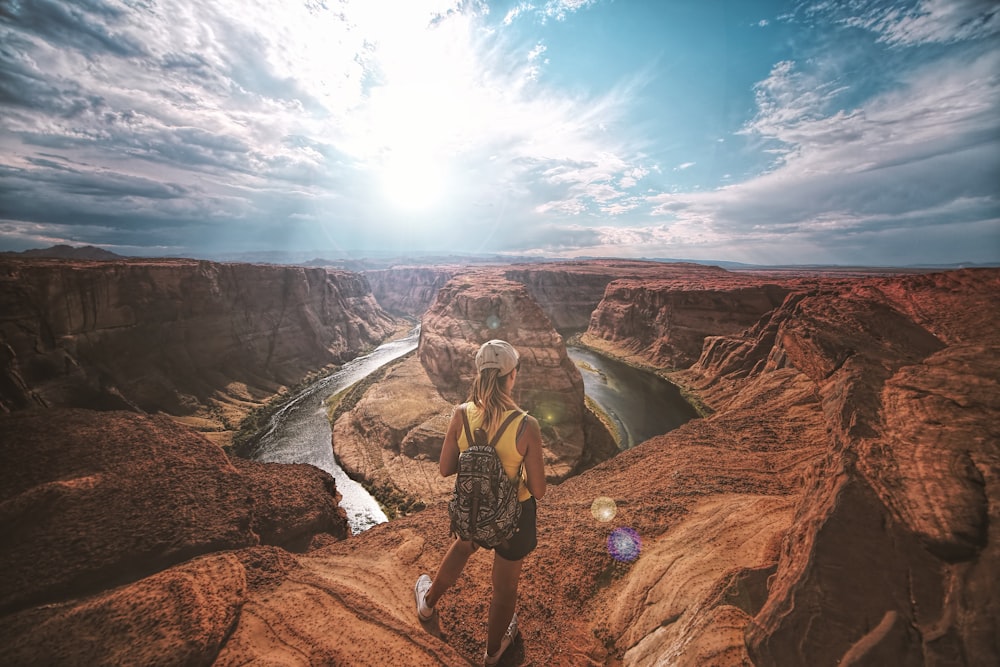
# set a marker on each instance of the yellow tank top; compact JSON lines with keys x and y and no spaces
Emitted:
{"x":506,"y":448}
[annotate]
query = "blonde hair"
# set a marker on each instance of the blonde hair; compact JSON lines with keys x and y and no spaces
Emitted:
{"x":489,"y":393}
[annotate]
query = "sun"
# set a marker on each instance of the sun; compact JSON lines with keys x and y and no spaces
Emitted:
{"x":414,"y":180}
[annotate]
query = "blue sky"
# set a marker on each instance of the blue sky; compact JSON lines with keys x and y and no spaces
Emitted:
{"x":764,"y":132}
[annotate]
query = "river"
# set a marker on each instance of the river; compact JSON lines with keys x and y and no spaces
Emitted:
{"x":300,"y":431}
{"x":640,"y":403}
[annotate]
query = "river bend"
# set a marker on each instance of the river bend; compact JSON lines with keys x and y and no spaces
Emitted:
{"x":640,"y":404}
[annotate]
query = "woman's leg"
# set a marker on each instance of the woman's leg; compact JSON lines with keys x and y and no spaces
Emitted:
{"x":452,"y":566}
{"x":506,"y":575}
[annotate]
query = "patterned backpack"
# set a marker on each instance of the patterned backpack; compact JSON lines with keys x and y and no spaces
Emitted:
{"x":484,"y":507}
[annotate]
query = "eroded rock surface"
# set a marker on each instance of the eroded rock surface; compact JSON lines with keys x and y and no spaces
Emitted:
{"x":177,"y":336}
{"x":835,"y":508}
{"x":92,"y":500}
{"x":392,"y":436}
{"x":408,"y":291}
{"x":663,"y":322}
{"x":569,"y":292}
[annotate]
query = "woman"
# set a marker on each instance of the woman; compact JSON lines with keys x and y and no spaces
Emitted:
{"x":489,"y":402}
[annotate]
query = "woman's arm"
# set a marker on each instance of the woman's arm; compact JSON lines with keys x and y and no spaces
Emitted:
{"x":449,"y":450}
{"x":533,"y":465}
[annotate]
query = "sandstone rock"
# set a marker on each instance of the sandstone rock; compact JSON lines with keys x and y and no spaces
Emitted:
{"x":180,"y":616}
{"x":570,"y":291}
{"x":95,"y":499}
{"x":342,"y":606}
{"x":476,"y":307}
{"x":408,"y":291}
{"x":890,"y":534}
{"x":393,"y":434}
{"x":176,"y":335}
{"x":663,"y":323}
{"x":833,"y":509}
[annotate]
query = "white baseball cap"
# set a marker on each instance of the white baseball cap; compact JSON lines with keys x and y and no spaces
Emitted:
{"x":497,"y":354}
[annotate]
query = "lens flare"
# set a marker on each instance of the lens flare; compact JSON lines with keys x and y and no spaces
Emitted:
{"x":624,"y":544}
{"x":604,"y":509}
{"x":550,"y":412}
{"x":493,"y":322}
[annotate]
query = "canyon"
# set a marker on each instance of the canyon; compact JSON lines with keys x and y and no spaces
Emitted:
{"x":202,"y":341}
{"x":832,"y":506}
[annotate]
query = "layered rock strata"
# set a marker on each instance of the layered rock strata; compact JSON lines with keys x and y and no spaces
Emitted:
{"x":392,"y":435}
{"x":663,"y":322}
{"x":834,"y":509}
{"x":110,"y":516}
{"x":889,"y":534}
{"x":408,"y":291}
{"x":569,"y":292}
{"x":174,"y":335}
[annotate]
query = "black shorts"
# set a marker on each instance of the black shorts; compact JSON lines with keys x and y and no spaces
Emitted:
{"x":525,"y":538}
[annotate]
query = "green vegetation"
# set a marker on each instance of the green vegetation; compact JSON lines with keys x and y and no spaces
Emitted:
{"x":393,"y":501}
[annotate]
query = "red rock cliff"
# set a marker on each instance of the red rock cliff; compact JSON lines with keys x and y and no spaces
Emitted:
{"x":408,"y":291}
{"x":172,"y":335}
{"x":663,"y":322}
{"x":835,"y":508}
{"x":569,"y":292}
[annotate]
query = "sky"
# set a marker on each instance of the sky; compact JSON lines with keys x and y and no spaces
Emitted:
{"x":809,"y":132}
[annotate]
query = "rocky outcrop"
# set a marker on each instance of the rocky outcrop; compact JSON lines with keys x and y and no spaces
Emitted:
{"x":663,"y":322}
{"x":392,"y":435}
{"x":92,"y":500}
{"x":176,"y":335}
{"x":835,"y":508}
{"x":408,"y":291}
{"x":477,"y":307}
{"x":889,"y":533}
{"x":570,"y":291}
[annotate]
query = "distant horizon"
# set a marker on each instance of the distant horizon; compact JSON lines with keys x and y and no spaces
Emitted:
{"x":305,"y":257}
{"x":763,"y":132}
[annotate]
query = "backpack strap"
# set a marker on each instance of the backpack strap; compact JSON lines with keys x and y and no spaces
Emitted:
{"x":496,"y":438}
{"x":503,"y":427}
{"x":465,"y":423}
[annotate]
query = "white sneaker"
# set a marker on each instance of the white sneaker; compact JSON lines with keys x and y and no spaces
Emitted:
{"x":420,"y":589}
{"x":505,"y":641}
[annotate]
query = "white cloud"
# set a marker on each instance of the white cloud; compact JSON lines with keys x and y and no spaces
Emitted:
{"x":932,"y":21}
{"x":554,"y":9}
{"x":887,"y":164}
{"x":559,"y":9}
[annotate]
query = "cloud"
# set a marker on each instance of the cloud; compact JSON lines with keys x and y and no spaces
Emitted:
{"x":844,"y":175}
{"x":550,"y":9}
{"x":930,"y":21}
{"x":258,"y":124}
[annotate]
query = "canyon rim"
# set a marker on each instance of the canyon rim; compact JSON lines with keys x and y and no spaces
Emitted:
{"x":833,"y":506}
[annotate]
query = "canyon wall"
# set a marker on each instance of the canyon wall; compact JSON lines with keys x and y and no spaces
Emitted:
{"x":408,"y":291}
{"x":392,"y":434}
{"x":569,"y":292}
{"x":174,"y":335}
{"x":834,"y":508}
{"x":663,"y":322}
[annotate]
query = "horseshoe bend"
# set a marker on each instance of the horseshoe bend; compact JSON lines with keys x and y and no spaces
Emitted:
{"x":832,"y":505}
